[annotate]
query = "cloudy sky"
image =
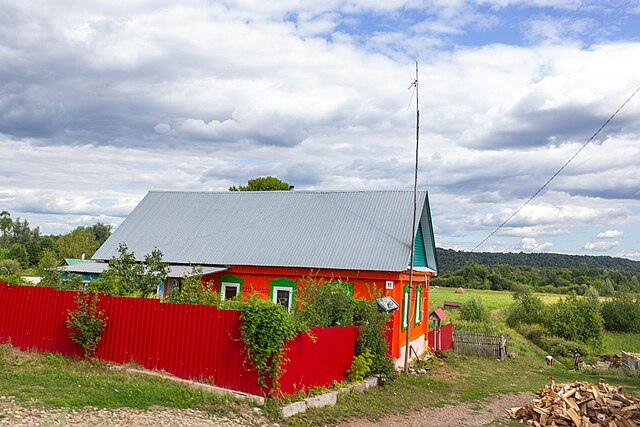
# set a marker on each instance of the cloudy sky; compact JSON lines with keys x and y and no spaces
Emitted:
{"x":102,"y":101}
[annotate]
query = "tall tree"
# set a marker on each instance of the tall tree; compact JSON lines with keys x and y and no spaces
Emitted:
{"x":269,"y":183}
{"x":74,"y":244}
{"x":6,"y":225}
{"x":101,"y":232}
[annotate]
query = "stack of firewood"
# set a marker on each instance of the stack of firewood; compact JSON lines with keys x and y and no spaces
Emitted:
{"x":580,"y":404}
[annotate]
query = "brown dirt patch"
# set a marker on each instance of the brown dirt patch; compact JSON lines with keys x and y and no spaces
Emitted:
{"x":469,"y":414}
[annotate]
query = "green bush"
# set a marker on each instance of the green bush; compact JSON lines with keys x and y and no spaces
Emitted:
{"x":474,"y":311}
{"x":360,"y":367}
{"x":193,"y":291}
{"x":553,"y":345}
{"x":575,"y":319}
{"x":372,"y":326}
{"x":527,"y":308}
{"x":622,"y":314}
{"x":86,"y":323}
{"x":325,"y":304}
{"x":265,"y":329}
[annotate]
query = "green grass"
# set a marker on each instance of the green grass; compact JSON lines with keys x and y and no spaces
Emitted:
{"x":493,"y":300}
{"x":52,"y":380}
{"x":616,"y":343}
{"x":461,"y":379}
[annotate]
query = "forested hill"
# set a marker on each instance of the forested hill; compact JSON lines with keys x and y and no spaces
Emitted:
{"x":449,"y":260}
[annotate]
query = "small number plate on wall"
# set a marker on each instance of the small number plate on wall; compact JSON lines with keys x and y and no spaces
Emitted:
{"x":389,"y":284}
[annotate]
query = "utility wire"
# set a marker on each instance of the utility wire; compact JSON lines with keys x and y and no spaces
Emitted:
{"x":558,"y":171}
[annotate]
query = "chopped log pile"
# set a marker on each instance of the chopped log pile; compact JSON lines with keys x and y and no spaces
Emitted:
{"x":580,"y":404}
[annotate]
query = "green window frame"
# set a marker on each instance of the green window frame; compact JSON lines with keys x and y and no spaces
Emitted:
{"x":419,"y":313}
{"x":345,"y":285}
{"x":283,"y":284}
{"x":230,"y":279}
{"x":405,"y":308}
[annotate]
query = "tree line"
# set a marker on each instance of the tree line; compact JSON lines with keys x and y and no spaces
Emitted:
{"x":581,"y":280}
{"x":449,"y":260}
{"x":23,"y":247}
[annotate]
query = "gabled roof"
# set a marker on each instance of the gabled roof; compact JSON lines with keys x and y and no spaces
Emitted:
{"x":352,"y":230}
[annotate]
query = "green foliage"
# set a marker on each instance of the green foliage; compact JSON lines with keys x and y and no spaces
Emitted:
{"x":151,"y":273}
{"x":80,"y":241}
{"x":126,"y":277}
{"x":478,"y":327}
{"x":47,"y":269}
{"x":86,"y":323}
{"x":622,"y":313}
{"x":474,"y":311}
{"x":193,"y":291}
{"x":527,"y":308}
{"x":9,"y":267}
{"x":266,"y":327}
{"x":101,"y":232}
{"x":549,"y":273}
{"x":553,"y":345}
{"x":73,"y":282}
{"x":268,"y":183}
{"x":325,"y":304}
{"x":372,"y":326}
{"x":575,"y":319}
{"x":361,"y":366}
{"x":18,"y":252}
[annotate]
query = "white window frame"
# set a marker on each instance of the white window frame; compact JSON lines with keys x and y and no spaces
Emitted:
{"x":225,"y":285}
{"x":289,"y":289}
{"x":405,"y":308}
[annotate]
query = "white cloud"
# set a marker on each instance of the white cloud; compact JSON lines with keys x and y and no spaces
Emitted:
{"x":532,"y":245}
{"x":600,"y":246}
{"x":610,"y":234}
{"x":104,"y":101}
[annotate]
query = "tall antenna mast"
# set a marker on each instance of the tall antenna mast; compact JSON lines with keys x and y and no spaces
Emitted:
{"x":413,"y":226}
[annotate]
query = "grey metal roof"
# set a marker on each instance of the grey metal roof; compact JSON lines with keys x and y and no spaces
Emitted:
{"x":175,"y":271}
{"x":353,"y":230}
{"x":86,"y":268}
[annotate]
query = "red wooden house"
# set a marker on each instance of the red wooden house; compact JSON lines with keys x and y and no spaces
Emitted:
{"x":269,"y":242}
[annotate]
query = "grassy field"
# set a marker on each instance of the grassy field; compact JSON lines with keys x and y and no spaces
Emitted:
{"x":493,"y":300}
{"x":615,"y":343}
{"x":51,"y":380}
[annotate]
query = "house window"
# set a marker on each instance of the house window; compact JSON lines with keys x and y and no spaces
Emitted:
{"x":419,"y":313}
{"x":229,"y":290}
{"x":230,"y":286}
{"x":405,"y":308}
{"x":283,"y":291}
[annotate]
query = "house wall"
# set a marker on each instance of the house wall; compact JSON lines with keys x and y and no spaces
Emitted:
{"x":365,"y":285}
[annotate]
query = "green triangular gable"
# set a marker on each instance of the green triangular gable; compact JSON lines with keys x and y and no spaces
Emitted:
{"x":425,"y":243}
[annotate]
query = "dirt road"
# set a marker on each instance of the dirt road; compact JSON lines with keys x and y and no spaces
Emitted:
{"x":471,"y":414}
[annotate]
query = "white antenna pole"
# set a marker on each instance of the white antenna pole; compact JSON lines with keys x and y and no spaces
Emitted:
{"x":413,"y":227}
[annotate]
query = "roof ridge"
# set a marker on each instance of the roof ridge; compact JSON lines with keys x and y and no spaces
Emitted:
{"x":280,"y":191}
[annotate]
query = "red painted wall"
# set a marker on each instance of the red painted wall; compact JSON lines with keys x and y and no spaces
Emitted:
{"x":188,"y":341}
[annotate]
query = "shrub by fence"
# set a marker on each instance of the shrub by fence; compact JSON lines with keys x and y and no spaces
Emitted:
{"x":480,"y":344}
{"x":189,"y":341}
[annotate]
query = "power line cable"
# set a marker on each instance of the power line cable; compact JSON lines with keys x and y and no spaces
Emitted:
{"x":558,"y":171}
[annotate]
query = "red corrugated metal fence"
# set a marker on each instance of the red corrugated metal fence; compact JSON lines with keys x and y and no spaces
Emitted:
{"x":189,"y":341}
{"x":441,"y":338}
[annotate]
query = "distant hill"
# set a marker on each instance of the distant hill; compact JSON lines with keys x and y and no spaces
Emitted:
{"x":449,"y":260}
